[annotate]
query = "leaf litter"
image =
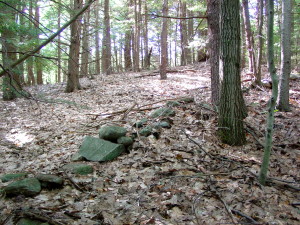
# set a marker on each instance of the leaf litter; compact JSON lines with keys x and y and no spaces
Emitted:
{"x":186,"y":176}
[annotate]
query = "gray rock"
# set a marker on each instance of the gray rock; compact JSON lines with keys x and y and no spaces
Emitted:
{"x":50,"y":181}
{"x":147,"y":131}
{"x":27,"y":187}
{"x":95,"y":149}
{"x":12,"y":176}
{"x":126,"y":141}
{"x":187,"y":100}
{"x":112,"y":133}
{"x":81,"y":169}
{"x":77,"y":157}
{"x":162,"y":112}
{"x":141,"y":123}
{"x":162,"y":124}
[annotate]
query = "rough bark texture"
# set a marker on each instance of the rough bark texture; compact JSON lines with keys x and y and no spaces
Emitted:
{"x":213,"y":11}
{"x":164,"y":43}
{"x":127,"y":51}
{"x":232,"y":107}
{"x":73,"y":62}
{"x":147,"y":56}
{"x":106,"y":42}
{"x":136,"y":36}
{"x":59,"y":44}
{"x":284,"y":86}
{"x":85,"y":45}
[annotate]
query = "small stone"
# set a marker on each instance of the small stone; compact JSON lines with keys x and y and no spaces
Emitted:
{"x":162,"y":124}
{"x":164,"y":112}
{"x":81,"y":169}
{"x":187,"y":100}
{"x":146,"y":131}
{"x":173,"y":103}
{"x":26,"y":221}
{"x":126,"y":141}
{"x":111,"y":133}
{"x":27,"y":187}
{"x":12,"y":176}
{"x":140,"y":123}
{"x":50,"y":181}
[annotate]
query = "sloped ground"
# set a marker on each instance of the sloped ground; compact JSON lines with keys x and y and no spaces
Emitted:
{"x":185,"y":177}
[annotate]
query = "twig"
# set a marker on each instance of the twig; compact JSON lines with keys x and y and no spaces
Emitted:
{"x":74,"y":183}
{"x":254,"y":136}
{"x":38,"y":216}
{"x":250,"y":219}
{"x":128,"y":111}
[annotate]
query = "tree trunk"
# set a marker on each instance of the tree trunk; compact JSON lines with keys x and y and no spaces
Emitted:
{"x":213,"y":11}
{"x":260,"y":12}
{"x":136,"y":37}
{"x":106,"y":42}
{"x":190,"y":36}
{"x":59,"y":65}
{"x":272,"y":103}
{"x":85,"y":45}
{"x":164,"y":43}
{"x":73,"y":62}
{"x":283,"y":100}
{"x":147,"y":56}
{"x":127,"y":51}
{"x":38,"y":61}
{"x":183,"y":34}
{"x":249,"y":38}
{"x":232,"y":107}
{"x":97,"y":39}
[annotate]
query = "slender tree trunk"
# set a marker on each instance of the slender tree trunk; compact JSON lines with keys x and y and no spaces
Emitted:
{"x":272,"y":103}
{"x":164,"y":43}
{"x":232,"y":107}
{"x":106,"y":42}
{"x":136,"y":38}
{"x":190,"y":35}
{"x":213,"y":12}
{"x":127,"y":51}
{"x":97,"y":39}
{"x":38,"y":61}
{"x":73,"y":62}
{"x":146,"y":44}
{"x":85,"y":45}
{"x":249,"y":38}
{"x":59,"y":65}
{"x":283,"y":100}
{"x":260,"y":12}
{"x":183,"y":34}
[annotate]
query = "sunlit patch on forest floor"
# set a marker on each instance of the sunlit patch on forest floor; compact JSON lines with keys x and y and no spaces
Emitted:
{"x":185,"y":177}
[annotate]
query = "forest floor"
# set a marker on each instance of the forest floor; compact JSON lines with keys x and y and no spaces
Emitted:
{"x":169,"y":180}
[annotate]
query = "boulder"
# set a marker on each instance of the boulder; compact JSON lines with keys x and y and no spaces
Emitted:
{"x":164,"y":112}
{"x":111,"y":133}
{"x":95,"y":149}
{"x":12,"y":176}
{"x":50,"y":181}
{"x":81,"y":169}
{"x":27,"y":187}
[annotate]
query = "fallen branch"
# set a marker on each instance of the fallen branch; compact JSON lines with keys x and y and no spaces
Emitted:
{"x":250,"y":219}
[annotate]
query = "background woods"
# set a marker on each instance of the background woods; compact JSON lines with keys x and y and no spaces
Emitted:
{"x":202,"y":98}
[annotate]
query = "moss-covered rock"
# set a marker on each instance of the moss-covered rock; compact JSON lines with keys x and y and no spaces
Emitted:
{"x":111,"y":133}
{"x":77,"y":168}
{"x":50,"y":181}
{"x":27,"y":187}
{"x":12,"y":176}
{"x":126,"y":141}
{"x":164,"y":112}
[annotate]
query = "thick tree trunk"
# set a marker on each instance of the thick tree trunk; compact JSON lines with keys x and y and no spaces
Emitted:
{"x":106,"y":42}
{"x":127,"y":51}
{"x":232,"y":107}
{"x":73,"y":62}
{"x":164,"y":43}
{"x":213,"y":12}
{"x":284,"y":85}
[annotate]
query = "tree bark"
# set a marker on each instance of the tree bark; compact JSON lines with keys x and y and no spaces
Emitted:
{"x":85,"y":45}
{"x":97,"y":39}
{"x":260,"y":12}
{"x":106,"y":42}
{"x":183,"y":34}
{"x":59,"y":65}
{"x":213,"y":12}
{"x":73,"y":62}
{"x":38,"y":61}
{"x":284,"y":85}
{"x":232,"y":107}
{"x":272,"y":103}
{"x":164,"y":43}
{"x":249,"y":38}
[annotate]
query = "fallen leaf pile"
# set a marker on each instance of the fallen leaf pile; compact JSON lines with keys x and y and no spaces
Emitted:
{"x":186,"y":176}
